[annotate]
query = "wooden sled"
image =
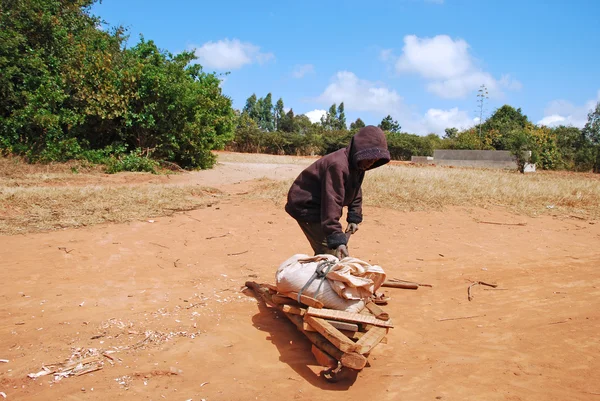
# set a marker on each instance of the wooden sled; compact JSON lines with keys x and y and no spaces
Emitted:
{"x":340,"y":339}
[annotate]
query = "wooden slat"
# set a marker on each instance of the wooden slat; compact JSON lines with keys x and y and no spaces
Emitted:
{"x":342,"y":326}
{"x":293,"y":309}
{"x":377,"y":311}
{"x":342,"y":342}
{"x":306,"y":300}
{"x":351,"y":360}
{"x":370,"y":339}
{"x":281,"y":299}
{"x":348,"y":317}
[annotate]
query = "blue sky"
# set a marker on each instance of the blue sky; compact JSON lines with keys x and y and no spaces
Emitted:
{"x":422,"y":61}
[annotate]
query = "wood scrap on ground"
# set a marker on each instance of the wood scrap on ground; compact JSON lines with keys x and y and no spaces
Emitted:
{"x":469,"y":296}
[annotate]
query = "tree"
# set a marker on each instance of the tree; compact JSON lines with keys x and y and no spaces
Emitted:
{"x":496,"y":129}
{"x":389,"y":124}
{"x":358,"y":124}
{"x":287,"y":122}
{"x":330,"y":120}
{"x":450,"y":133}
{"x":266,"y":122}
{"x":591,"y":133}
{"x":251,"y":108}
{"x":278,"y":114}
{"x":523,"y":147}
{"x":341,"y":117}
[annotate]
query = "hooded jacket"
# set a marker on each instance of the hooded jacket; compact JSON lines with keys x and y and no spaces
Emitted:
{"x":322,"y":190}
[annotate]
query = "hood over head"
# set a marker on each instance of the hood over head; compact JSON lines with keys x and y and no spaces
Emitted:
{"x":369,"y":144}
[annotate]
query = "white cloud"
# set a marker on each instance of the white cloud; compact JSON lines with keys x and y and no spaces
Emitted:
{"x":360,"y":95}
{"x":230,"y":54}
{"x":301,"y":70}
{"x":315,"y":115}
{"x":436,"y":120}
{"x":562,"y":112}
{"x":451,"y":70}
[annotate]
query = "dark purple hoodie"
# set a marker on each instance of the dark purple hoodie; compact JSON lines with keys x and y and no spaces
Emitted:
{"x":334,"y":181}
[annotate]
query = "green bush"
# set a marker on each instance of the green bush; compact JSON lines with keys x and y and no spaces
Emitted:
{"x":134,"y":161}
{"x":69,"y":90}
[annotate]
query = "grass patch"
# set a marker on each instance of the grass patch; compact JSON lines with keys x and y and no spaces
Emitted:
{"x":40,"y":197}
{"x":410,"y":188}
{"x":33,"y":209}
{"x":231,"y":157}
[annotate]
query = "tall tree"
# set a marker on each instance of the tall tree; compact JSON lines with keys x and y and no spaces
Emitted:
{"x":591,"y":132}
{"x":250,"y":107}
{"x":358,"y":124}
{"x":389,"y":124}
{"x":278,"y":114}
{"x":450,"y":133}
{"x":341,"y":117}
{"x":266,"y":113}
{"x":329,"y":120}
{"x":286,"y":123}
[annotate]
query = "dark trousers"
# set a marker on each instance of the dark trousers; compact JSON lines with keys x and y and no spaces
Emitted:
{"x":316,"y":237}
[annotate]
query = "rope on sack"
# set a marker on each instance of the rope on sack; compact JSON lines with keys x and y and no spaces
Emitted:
{"x":323,"y":268}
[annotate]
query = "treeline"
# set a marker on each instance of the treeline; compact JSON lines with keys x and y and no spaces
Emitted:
{"x":70,"y":90}
{"x":264,"y":128}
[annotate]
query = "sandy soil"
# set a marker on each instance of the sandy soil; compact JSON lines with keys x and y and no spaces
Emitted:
{"x":168,"y":295}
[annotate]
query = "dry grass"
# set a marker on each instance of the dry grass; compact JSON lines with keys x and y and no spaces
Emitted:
{"x":33,"y":209}
{"x":433,"y":188}
{"x":46,"y":197}
{"x":231,"y":157}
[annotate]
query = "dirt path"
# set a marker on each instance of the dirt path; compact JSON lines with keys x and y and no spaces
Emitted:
{"x":168,"y":295}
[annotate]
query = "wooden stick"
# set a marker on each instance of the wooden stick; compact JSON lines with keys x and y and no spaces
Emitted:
{"x":306,"y":300}
{"x":370,"y":339}
{"x":459,"y":318}
{"x":348,"y":317}
{"x":406,"y":286}
{"x":501,"y":224}
{"x":377,"y":311}
{"x":341,"y":342}
{"x":478,"y":283}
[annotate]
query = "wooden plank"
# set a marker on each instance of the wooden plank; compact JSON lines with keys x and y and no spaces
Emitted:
{"x":341,"y":326}
{"x":306,"y":300}
{"x":342,"y":342}
{"x":377,"y":311}
{"x":323,"y":358}
{"x":348,"y":317}
{"x":351,"y":360}
{"x":370,"y":339}
{"x":280,"y":299}
{"x":294,"y":310}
